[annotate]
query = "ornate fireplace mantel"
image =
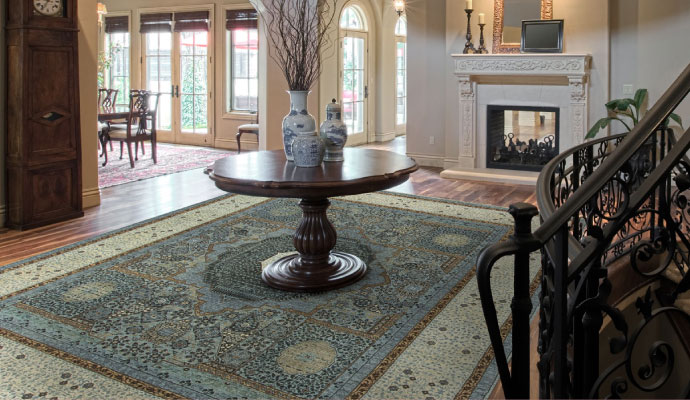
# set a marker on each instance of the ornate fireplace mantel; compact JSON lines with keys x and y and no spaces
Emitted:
{"x":519,"y":69}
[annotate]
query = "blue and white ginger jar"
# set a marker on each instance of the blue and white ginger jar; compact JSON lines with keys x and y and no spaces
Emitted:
{"x":308,"y":150}
{"x":334,"y":133}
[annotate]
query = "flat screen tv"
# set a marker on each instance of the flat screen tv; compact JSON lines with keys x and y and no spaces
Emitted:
{"x":542,"y":36}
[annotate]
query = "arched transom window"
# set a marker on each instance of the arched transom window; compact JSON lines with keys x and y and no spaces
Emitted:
{"x":401,"y":27}
{"x":352,"y":18}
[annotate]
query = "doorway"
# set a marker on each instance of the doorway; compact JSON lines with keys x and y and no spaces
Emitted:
{"x":176,"y":63}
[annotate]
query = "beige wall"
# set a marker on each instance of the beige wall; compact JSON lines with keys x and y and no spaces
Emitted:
{"x":88,"y":66}
{"x":3,"y":111}
{"x":649,"y":47}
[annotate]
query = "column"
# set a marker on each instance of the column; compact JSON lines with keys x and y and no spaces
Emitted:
{"x":468,"y":119}
{"x":579,"y":122}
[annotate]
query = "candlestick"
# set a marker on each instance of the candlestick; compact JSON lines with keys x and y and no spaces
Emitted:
{"x":481,"y":18}
{"x":481,"y":49}
{"x":469,"y":46}
{"x":468,"y":4}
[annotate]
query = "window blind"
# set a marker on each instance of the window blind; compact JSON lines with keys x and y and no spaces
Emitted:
{"x":191,"y":21}
{"x":156,"y":23}
{"x":117,"y":24}
{"x":241,"y":19}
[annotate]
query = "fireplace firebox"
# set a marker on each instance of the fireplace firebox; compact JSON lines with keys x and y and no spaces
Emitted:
{"x":521,"y":138}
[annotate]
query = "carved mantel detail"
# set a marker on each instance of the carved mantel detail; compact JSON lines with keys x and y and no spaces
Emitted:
{"x":569,"y":69}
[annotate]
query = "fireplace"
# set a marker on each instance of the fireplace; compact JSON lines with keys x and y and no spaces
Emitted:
{"x":521,"y":138}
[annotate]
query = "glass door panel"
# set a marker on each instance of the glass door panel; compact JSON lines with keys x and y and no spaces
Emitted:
{"x":401,"y":83}
{"x":194,"y":82}
{"x":354,"y":87}
{"x":159,"y":76}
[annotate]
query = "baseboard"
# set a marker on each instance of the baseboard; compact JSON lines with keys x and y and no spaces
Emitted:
{"x":384,"y":137}
{"x":231,"y":144}
{"x":492,"y":175}
{"x":91,"y":197}
{"x":3,"y":218}
{"x":427,"y":160}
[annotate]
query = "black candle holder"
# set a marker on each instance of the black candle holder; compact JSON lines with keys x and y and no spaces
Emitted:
{"x":469,"y":46}
{"x":482,"y":49}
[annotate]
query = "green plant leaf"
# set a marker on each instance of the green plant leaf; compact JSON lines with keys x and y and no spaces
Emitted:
{"x":640,"y":95}
{"x":599,"y":125}
{"x":624,"y":104}
{"x":676,"y":118}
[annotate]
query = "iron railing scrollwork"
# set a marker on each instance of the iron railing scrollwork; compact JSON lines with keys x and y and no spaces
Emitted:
{"x":615,"y":257}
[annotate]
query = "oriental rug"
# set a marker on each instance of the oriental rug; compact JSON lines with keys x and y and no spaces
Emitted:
{"x":174,"y":307}
{"x":171,"y":158}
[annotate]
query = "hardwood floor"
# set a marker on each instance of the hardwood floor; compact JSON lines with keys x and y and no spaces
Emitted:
{"x":130,"y":203}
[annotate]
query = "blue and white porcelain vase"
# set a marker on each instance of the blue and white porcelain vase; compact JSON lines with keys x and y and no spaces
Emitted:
{"x":298,"y":121}
{"x":308,"y":149}
{"x":334,"y":133}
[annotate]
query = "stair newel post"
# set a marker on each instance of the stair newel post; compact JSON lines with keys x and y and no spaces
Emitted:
{"x":521,"y":305}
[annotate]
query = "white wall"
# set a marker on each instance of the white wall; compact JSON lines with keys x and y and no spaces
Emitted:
{"x":427,"y":69}
{"x":649,"y":47}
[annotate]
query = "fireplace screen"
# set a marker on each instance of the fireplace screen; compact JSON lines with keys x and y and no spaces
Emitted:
{"x":522,"y":138}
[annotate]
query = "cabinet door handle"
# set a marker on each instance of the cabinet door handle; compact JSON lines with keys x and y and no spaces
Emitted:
{"x":177,"y":90}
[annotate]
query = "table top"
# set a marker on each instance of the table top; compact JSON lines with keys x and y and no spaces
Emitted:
{"x":268,"y":173}
{"x":113,"y":115}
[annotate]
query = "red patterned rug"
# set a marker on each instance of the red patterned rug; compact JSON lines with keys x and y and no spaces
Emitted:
{"x":171,"y":159}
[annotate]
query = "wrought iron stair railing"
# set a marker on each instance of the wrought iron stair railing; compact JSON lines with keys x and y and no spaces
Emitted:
{"x":615,"y":223}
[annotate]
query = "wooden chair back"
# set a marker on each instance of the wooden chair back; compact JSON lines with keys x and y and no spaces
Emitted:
{"x":106,"y":100}
{"x":143,"y":106}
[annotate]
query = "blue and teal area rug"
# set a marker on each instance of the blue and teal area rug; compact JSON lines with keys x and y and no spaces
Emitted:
{"x":175,"y":307}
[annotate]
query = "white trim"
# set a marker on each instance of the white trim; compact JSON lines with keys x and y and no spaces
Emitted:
{"x":493,"y":175}
{"x":385,"y":136}
{"x":226,"y":113}
{"x":239,"y":116}
{"x":231,"y":144}
{"x":91,"y":197}
{"x":424,"y":160}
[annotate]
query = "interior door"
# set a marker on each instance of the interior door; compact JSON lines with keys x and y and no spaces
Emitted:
{"x":354,"y":90}
{"x":177,"y":67}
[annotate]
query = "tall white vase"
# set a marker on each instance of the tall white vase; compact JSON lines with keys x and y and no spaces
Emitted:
{"x":298,"y":121}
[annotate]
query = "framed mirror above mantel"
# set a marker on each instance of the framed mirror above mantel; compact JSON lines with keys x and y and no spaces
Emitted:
{"x":508,"y":17}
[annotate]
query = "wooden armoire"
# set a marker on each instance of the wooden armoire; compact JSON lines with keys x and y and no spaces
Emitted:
{"x":43,"y":133}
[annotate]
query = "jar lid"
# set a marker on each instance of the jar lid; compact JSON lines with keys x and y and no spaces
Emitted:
{"x":333,"y":106}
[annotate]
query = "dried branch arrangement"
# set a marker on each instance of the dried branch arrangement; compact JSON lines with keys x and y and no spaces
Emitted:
{"x":298,"y":31}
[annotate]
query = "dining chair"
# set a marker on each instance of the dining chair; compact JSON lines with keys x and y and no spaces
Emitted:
{"x":247,"y":128}
{"x":106,"y":104}
{"x":140,"y":125}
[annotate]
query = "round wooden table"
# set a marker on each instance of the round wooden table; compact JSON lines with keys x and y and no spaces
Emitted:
{"x":268,"y":173}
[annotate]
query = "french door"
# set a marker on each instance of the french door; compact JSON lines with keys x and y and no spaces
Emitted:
{"x":176,"y":65}
{"x":354,"y":90}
